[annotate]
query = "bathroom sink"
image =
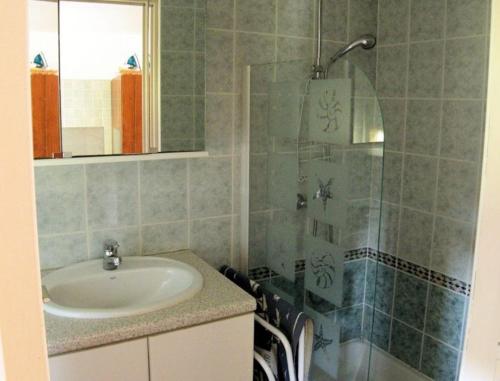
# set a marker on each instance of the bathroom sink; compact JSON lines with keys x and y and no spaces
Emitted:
{"x":139,"y":285}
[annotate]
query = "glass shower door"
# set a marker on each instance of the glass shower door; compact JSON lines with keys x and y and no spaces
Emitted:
{"x":315,"y":165}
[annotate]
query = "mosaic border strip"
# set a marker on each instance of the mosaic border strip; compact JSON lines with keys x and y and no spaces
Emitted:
{"x":424,"y":273}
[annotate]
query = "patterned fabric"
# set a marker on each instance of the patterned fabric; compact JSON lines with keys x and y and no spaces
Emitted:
{"x":280,"y":314}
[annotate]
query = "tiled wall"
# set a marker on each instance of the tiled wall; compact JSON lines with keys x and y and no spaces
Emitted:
{"x":430,"y":74}
{"x":431,"y":80}
{"x":289,"y":35}
{"x":182,"y":74}
{"x":419,"y":322}
{"x":148,"y":207}
{"x":72,"y":226}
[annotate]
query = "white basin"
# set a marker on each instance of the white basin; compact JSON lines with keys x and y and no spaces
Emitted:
{"x":139,"y":285}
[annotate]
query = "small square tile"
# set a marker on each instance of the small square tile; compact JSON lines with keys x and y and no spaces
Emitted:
{"x":163,"y":190}
{"x":379,"y":286}
{"x":410,"y":300}
{"x":392,"y":71}
{"x":439,"y":361}
{"x":290,"y":49}
{"x":295,"y":17}
{"x":200,"y":74}
{"x":128,"y":238}
{"x":210,"y":187}
{"x":200,"y":30}
{"x":220,"y":14}
{"x":466,"y":17}
{"x":445,"y":316}
{"x":178,"y":3}
{"x":376,"y":328}
{"x":199,"y":117}
{"x":258,"y":225}
{"x":335,"y":20}
{"x":415,"y":237}
{"x":354,"y":283}
{"x":355,"y":233}
{"x":362,"y":18}
{"x":62,"y":250}
{"x":252,"y":49}
{"x":393,"y":111}
{"x":462,"y":131}
{"x":427,"y":20}
{"x":406,"y":344}
{"x":419,"y":182}
{"x":452,"y":251}
{"x":211,"y":240}
{"x":177,"y":28}
{"x":112,"y":194}
{"x":220,"y":61}
{"x":426,"y":69}
{"x":259,"y":198}
{"x":177,"y":73}
{"x":162,"y":238}
{"x":259,"y":113}
{"x":60,"y":195}
{"x":256,"y":15}
{"x":219,"y":129}
{"x":359,"y":166}
{"x":391,"y":189}
{"x":386,"y":240}
{"x":393,"y":21}
{"x":457,"y":190}
{"x":423,"y":122}
{"x":464,"y":68}
{"x":177,"y":117}
{"x":350,"y":321}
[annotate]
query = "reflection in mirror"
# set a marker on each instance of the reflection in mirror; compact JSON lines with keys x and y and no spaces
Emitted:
{"x":117,"y":76}
{"x":44,"y":52}
{"x":101,"y":52}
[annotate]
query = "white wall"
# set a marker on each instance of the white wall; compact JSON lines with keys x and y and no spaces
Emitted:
{"x":96,"y":39}
{"x":21,"y":319}
{"x":482,"y":356}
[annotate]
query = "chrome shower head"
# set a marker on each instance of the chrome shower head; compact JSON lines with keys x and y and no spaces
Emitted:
{"x":366,"y":41}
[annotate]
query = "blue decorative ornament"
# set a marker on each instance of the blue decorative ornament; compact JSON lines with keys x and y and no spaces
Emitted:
{"x":133,"y":62}
{"x":40,"y":61}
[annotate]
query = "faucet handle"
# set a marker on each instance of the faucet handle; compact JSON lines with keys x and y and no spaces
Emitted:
{"x":111,"y":247}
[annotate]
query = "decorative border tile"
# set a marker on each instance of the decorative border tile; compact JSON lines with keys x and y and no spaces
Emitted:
{"x":443,"y":280}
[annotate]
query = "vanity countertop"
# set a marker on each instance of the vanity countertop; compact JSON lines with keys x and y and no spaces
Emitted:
{"x":218,"y":299}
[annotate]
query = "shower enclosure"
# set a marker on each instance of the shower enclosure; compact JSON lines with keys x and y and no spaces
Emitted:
{"x":360,"y":180}
{"x":315,"y":155}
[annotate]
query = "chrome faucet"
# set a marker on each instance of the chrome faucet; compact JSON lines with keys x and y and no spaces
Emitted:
{"x":111,"y":260}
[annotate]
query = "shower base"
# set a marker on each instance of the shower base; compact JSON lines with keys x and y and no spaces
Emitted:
{"x":384,"y":367}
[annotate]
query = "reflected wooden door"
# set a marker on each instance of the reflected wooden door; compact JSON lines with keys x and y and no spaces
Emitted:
{"x":45,"y":113}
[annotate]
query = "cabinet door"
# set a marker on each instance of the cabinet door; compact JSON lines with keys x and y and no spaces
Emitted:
{"x":118,"y":362}
{"x":219,"y":351}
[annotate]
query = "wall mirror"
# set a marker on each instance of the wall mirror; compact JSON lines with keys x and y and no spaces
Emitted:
{"x":117,"y":77}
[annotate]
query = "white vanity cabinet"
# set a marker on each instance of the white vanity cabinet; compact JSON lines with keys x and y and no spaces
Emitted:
{"x":216,"y":351}
{"x":126,"y":361}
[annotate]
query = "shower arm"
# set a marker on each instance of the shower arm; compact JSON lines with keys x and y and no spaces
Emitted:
{"x":317,"y":68}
